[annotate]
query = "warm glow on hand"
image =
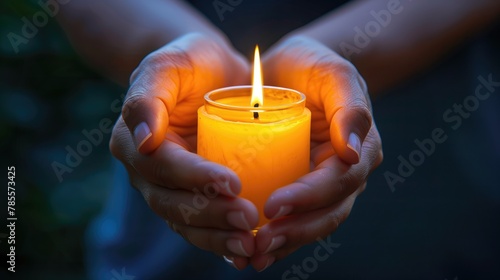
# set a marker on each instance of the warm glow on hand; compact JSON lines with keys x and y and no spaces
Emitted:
{"x":345,"y":147}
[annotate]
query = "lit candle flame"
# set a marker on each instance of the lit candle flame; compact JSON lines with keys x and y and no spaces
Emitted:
{"x":257,"y":96}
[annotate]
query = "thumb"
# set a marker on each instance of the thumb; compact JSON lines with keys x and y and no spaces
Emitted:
{"x":348,"y":130}
{"x":343,"y":94}
{"x":152,"y":95}
{"x":349,"y":114}
{"x":147,"y":120}
{"x":312,"y":68}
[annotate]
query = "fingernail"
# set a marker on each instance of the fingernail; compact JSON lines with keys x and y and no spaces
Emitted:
{"x":354,"y":144}
{"x":276,"y":242}
{"x":236,"y":246}
{"x":269,"y":262}
{"x":284,"y":210}
{"x":230,"y":261}
{"x":141,"y":134}
{"x":228,"y":189}
{"x":238,"y":219}
{"x":222,"y":178}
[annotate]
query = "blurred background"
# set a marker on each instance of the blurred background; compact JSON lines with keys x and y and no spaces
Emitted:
{"x":441,"y":223}
{"x":47,"y":98}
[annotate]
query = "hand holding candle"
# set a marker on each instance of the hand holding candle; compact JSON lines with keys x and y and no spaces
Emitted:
{"x":345,"y":148}
{"x":267,"y":147}
{"x":159,"y":120}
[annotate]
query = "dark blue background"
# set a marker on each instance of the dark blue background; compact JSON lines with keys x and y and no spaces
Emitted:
{"x":442,"y":222}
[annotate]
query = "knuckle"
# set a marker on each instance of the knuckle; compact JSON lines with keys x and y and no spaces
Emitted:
{"x":347,"y":69}
{"x":133,"y":101}
{"x":168,"y":58}
{"x":363,"y":114}
{"x":374,"y":147}
{"x":153,"y":59}
{"x":362,"y":84}
{"x":169,"y":209}
{"x":163,"y":206}
{"x":351,"y":182}
{"x":331,"y":72}
{"x":345,"y":182}
{"x":161,"y":173}
{"x":342,"y":68}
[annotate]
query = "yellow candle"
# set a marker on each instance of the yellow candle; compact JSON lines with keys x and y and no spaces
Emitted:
{"x":267,"y":152}
{"x":260,"y":132}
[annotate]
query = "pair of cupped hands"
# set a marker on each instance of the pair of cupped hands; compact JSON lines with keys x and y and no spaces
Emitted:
{"x":155,"y":138}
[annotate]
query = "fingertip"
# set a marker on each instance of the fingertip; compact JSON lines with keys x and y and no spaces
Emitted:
{"x":252,"y":214}
{"x":241,"y":262}
{"x":228,"y":182}
{"x":262,"y":262}
{"x":246,"y":217}
{"x":348,"y":130}
{"x":234,"y":184}
{"x":238,"y":263}
{"x":230,"y":261}
{"x":278,"y":205}
{"x":147,"y":120}
{"x":283,"y":210}
{"x":237,"y":246}
{"x":347,"y":149}
{"x":273,"y":209}
{"x":145,"y":139}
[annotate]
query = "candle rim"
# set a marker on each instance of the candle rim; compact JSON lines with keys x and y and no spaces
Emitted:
{"x":212,"y":102}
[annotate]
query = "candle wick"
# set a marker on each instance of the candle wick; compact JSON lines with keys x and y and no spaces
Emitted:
{"x":256,"y":114}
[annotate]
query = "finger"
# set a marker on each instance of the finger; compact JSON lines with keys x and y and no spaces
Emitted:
{"x":121,"y":144}
{"x":332,"y":85}
{"x":153,"y":94}
{"x":181,"y":71}
{"x":172,"y":166}
{"x":346,"y":106}
{"x":221,"y":242}
{"x":200,"y":209}
{"x":282,"y":237}
{"x":332,"y":180}
{"x":237,"y":262}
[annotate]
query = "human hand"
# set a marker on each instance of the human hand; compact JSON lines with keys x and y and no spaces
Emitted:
{"x":155,"y":138}
{"x":345,"y":148}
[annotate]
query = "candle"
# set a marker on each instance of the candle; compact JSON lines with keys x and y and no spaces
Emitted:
{"x":260,"y":132}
